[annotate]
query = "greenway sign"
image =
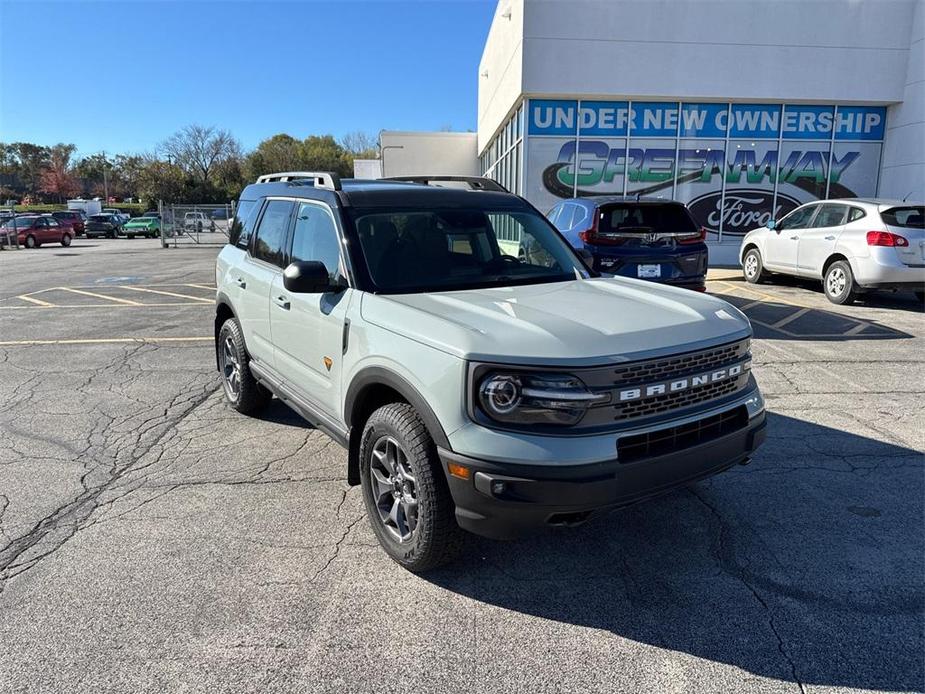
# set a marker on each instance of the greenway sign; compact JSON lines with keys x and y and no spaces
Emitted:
{"x":737,"y":166}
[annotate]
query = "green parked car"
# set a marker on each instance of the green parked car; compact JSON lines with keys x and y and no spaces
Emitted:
{"x":142,"y":226}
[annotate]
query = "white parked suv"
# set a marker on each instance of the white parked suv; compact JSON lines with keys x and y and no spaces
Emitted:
{"x":853,"y":245}
{"x":473,"y":389}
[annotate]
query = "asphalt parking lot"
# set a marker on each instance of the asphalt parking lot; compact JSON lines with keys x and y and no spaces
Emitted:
{"x":151,"y":539}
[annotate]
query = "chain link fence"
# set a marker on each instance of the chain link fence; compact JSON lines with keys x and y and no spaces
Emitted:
{"x":195,"y":225}
{"x":8,"y":236}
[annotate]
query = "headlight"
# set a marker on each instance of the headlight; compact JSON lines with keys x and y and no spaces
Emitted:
{"x":514,"y":397}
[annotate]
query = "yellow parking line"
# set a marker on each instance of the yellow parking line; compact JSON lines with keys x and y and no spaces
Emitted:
{"x":763,"y":295}
{"x":101,"y":296}
{"x":792,"y":317}
{"x":201,"y":286}
{"x":37,"y":302}
{"x":103,"y":341}
{"x":174,"y":294}
{"x":153,"y":305}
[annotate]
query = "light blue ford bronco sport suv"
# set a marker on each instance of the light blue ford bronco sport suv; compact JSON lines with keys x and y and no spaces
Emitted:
{"x":474,"y":388}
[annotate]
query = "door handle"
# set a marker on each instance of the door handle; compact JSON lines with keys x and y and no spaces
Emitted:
{"x":281,"y":301}
{"x":794,"y":238}
{"x":241,"y":282}
{"x":829,"y":238}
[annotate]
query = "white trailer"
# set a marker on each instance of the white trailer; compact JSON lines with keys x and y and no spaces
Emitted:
{"x":89,"y":207}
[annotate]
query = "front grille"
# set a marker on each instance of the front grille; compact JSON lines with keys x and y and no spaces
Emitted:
{"x":631,"y":449}
{"x":669,"y":367}
{"x":673,"y":401}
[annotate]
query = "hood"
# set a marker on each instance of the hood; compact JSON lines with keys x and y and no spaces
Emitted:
{"x":580,"y":322}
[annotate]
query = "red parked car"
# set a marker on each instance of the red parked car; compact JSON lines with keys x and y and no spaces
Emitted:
{"x":34,"y":231}
{"x":75,"y":219}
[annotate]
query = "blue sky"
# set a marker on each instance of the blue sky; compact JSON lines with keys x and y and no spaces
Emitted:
{"x":122,"y":76}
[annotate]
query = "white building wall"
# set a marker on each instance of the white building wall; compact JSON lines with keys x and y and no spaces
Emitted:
{"x":818,"y":51}
{"x":903,"y":170}
{"x":501,"y":69}
{"x":428,"y":153}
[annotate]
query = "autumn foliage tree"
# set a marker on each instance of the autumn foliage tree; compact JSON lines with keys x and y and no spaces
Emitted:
{"x":57,"y":177}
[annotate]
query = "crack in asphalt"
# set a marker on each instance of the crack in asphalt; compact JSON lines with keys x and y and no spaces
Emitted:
{"x":57,"y":527}
{"x":724,"y":557}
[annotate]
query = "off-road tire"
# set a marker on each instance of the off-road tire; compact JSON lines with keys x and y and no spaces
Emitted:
{"x":753,"y":267}
{"x":251,"y":397}
{"x":839,"y":285}
{"x":436,"y":539}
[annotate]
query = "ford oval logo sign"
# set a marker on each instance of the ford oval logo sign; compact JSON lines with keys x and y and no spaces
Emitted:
{"x":745,"y":209}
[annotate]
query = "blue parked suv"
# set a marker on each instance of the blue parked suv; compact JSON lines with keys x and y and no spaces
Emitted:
{"x":649,"y":239}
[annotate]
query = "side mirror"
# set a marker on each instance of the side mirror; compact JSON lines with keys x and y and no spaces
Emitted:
{"x":308,"y":277}
{"x":587,"y":256}
{"x":771,"y":224}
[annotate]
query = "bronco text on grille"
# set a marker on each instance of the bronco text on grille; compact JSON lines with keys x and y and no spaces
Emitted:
{"x":644,"y":389}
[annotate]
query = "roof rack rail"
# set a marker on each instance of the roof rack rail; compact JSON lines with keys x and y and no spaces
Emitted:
{"x":322,"y":179}
{"x":475,"y":182}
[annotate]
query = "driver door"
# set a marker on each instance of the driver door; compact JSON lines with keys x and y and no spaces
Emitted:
{"x":308,"y":329}
{"x":783,"y":242}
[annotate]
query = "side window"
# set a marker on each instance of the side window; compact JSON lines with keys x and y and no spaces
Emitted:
{"x":564,"y":223}
{"x":51,"y":222}
{"x":830,"y":215}
{"x":798,"y":219}
{"x":315,"y":238}
{"x":242,"y":226}
{"x":582,"y":219}
{"x":270,"y":245}
{"x":553,"y":214}
{"x":855,"y":213}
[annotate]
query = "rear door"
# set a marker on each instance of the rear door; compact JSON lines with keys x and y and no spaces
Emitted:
{"x":908,"y":222}
{"x":782,"y":243}
{"x":817,"y":242}
{"x":308,"y":329}
{"x":255,"y":274}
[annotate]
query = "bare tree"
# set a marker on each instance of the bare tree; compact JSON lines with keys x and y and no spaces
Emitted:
{"x":360,"y":145}
{"x":198,"y":150}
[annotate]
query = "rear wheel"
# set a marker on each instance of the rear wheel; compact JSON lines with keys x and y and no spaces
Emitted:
{"x":66,"y":240}
{"x":31,"y":242}
{"x":838,"y":284}
{"x":406,"y":495}
{"x":752,"y":267}
{"x":920,"y":296}
{"x":241,"y":388}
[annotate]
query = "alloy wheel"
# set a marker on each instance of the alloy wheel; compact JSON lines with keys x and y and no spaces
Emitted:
{"x":393,"y":488}
{"x":231,"y":369}
{"x":751,"y":265}
{"x":836,"y":281}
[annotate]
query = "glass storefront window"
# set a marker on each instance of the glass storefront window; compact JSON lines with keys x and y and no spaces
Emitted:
{"x":700,"y":181}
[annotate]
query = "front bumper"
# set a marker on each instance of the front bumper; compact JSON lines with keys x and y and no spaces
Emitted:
{"x":506,"y":500}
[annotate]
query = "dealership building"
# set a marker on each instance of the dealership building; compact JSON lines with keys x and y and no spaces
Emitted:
{"x":741,"y":109}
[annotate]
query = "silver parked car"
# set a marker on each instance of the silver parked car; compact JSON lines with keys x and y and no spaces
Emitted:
{"x":853,"y":245}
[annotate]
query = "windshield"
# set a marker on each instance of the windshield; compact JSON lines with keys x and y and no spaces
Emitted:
{"x":912,"y":217}
{"x":99,"y":218}
{"x":19,"y":222}
{"x":434,"y":250}
{"x":646,"y":217}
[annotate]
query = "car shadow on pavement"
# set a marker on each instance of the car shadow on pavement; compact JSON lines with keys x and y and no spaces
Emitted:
{"x":900,"y":300}
{"x":781,"y":321}
{"x":805,"y":566}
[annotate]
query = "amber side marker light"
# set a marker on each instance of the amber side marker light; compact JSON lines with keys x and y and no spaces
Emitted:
{"x":457,"y":470}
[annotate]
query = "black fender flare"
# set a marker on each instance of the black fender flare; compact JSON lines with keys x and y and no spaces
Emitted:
{"x":376,"y":376}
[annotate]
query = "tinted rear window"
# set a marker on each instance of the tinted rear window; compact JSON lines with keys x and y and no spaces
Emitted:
{"x":909,"y":217}
{"x":646,"y":218}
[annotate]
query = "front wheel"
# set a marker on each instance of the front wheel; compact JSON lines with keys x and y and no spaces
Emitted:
{"x":838,"y":283}
{"x":241,"y":388}
{"x":752,"y":267}
{"x":406,"y":494}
